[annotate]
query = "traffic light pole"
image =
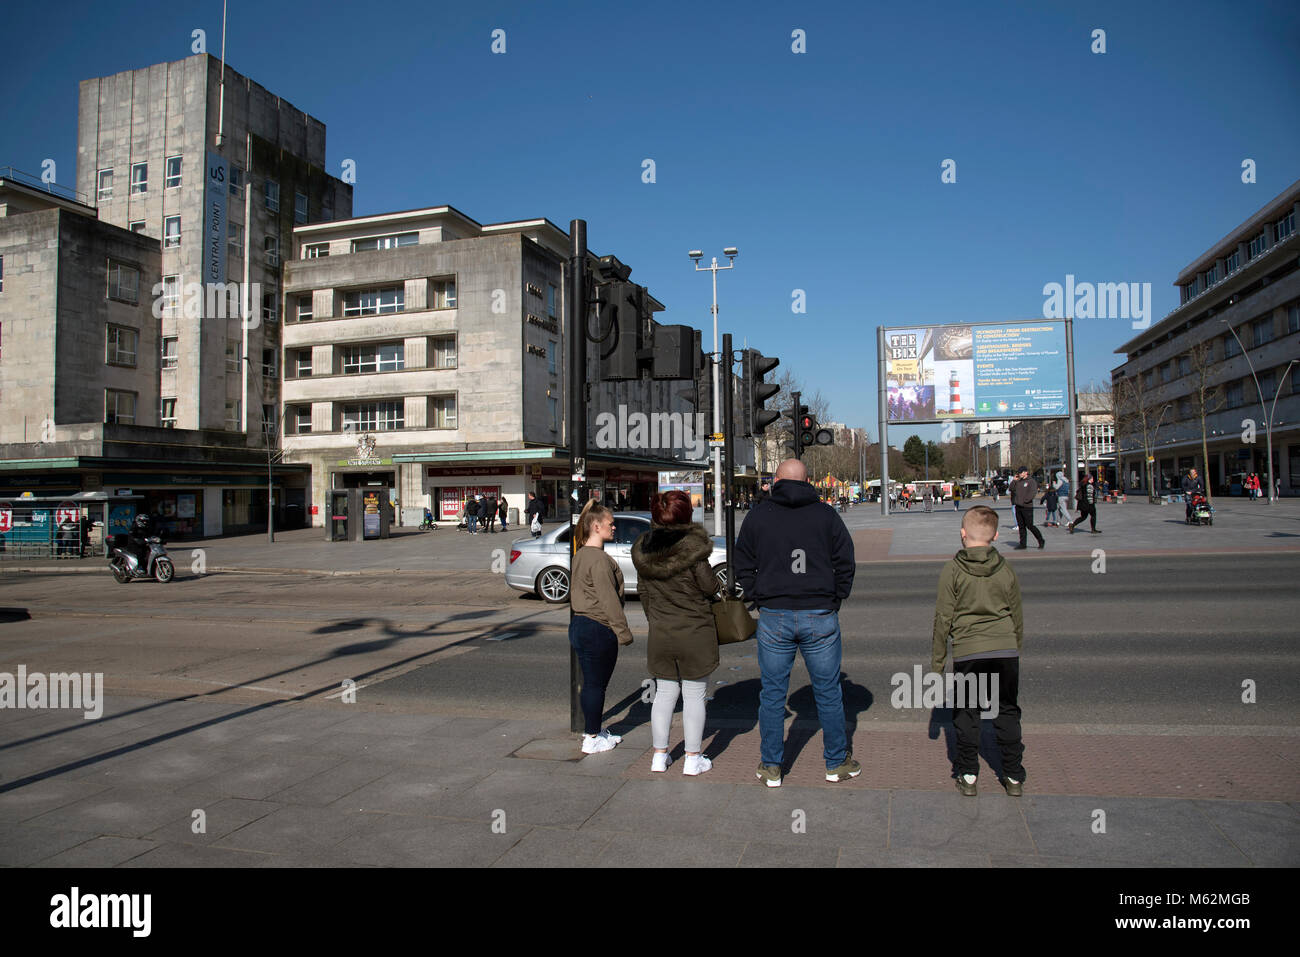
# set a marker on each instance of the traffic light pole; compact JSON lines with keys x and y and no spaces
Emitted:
{"x":728,"y":428}
{"x":577,"y":430}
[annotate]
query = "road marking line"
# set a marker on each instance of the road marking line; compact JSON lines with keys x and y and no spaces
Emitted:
{"x":508,"y":634}
{"x":342,"y":691}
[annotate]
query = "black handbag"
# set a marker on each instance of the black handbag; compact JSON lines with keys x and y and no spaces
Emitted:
{"x":733,"y":621}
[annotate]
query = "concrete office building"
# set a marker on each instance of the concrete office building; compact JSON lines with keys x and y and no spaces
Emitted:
{"x":149,"y":141}
{"x":80,"y":371}
{"x":1242,"y":293}
{"x":425,"y":353}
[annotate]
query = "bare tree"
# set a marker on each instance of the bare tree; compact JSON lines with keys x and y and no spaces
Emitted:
{"x":1139,"y":411}
{"x":1206,"y":398}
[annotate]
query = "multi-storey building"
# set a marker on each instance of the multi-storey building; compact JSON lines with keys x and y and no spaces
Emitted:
{"x":220,"y":173}
{"x":425,"y":353}
{"x":1232,"y":340}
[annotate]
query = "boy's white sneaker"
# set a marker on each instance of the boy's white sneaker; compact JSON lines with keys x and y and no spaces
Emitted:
{"x":696,"y":764}
{"x":660,"y":762}
{"x":617,"y":739}
{"x":594,"y":744}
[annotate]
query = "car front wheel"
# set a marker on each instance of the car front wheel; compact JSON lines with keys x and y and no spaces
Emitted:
{"x":721,"y":572}
{"x":553,"y":585}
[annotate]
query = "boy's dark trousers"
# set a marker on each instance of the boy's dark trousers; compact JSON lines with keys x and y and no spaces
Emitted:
{"x":1007,"y":724}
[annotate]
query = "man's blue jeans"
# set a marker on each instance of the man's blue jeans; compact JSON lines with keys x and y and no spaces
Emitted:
{"x":815,"y":635}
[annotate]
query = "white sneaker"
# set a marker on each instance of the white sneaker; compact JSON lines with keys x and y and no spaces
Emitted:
{"x":696,"y":764}
{"x":594,"y":744}
{"x":660,"y":762}
{"x":617,"y":739}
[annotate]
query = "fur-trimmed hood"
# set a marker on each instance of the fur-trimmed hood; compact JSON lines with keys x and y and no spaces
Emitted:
{"x":669,"y":550}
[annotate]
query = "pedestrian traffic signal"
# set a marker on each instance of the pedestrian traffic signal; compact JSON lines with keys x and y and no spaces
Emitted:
{"x":810,"y":433}
{"x":797,"y":414}
{"x":618,"y":315}
{"x":755,"y":392}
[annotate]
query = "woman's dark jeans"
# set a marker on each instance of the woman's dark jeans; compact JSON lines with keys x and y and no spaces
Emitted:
{"x":597,"y":648}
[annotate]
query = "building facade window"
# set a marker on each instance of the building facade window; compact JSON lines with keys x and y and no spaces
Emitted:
{"x":272,"y":194}
{"x":170,"y":352}
{"x":123,"y":282}
{"x":299,"y":207}
{"x":236,"y":181}
{"x":119,"y":407}
{"x":104,"y":185}
{"x":1230,"y":346}
{"x":444,"y":294}
{"x":167,"y":413}
{"x":551,"y":361}
{"x":268,"y":307}
{"x":271,"y":246}
{"x":444,"y":352}
{"x":374,"y":416}
{"x":1232,"y":394}
{"x":302,"y":363}
{"x":1284,"y":227}
{"x":1267,"y":384}
{"x":122,"y":345}
{"x":1256,"y":246}
{"x":372,"y":243}
{"x":136,"y":226}
{"x":300,"y":417}
{"x":171,"y":295}
{"x":172,"y":173}
{"x":444,"y":412}
{"x":268,"y":364}
{"x":1261,"y":331}
{"x":233,"y":408}
{"x":315,"y":250}
{"x":1211,"y":276}
{"x":232,"y":355}
{"x":550,"y":299}
{"x":374,"y":357}
{"x":171,"y":232}
{"x":304,"y":308}
{"x":374,"y":302}
{"x":235,"y":238}
{"x":1232,"y":263}
{"x":1293,"y":319}
{"x":140,"y":178}
{"x":1184,"y":365}
{"x":553,"y":407}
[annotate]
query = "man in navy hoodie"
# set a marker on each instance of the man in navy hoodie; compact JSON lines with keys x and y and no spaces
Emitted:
{"x":794,"y":558}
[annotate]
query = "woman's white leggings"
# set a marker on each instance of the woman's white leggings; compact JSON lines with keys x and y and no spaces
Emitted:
{"x":661,"y":712}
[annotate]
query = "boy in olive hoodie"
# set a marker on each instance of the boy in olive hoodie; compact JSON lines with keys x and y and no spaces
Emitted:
{"x":979,"y":606}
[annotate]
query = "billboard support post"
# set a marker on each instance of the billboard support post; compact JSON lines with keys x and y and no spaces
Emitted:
{"x":1073,"y":400}
{"x":883,"y":402}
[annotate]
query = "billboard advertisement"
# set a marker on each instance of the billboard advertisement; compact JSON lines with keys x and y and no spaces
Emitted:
{"x":977,"y":371}
{"x":214,"y":221}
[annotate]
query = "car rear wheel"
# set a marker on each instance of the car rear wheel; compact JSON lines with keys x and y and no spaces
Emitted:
{"x":721,"y":572}
{"x":553,"y":585}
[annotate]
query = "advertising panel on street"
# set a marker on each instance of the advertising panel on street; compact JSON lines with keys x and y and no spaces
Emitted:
{"x":977,"y":371}
{"x":690,"y":482}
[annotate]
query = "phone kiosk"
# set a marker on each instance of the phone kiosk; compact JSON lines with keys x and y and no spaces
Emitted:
{"x":357,"y":514}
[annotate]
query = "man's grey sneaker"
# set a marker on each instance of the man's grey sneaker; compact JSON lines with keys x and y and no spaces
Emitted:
{"x":770,"y":774}
{"x":849,"y":769}
{"x":966,"y":784}
{"x":1014,"y":788}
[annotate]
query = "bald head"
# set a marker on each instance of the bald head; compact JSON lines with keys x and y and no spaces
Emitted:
{"x":793,"y":470}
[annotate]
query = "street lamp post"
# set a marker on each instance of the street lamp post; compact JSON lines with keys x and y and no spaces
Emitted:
{"x":696,"y":255}
{"x":1268,"y":415}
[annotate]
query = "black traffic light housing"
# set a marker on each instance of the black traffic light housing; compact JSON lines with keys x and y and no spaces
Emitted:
{"x":755,"y":392}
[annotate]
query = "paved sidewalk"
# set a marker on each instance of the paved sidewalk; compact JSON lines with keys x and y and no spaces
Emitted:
{"x":323,"y":783}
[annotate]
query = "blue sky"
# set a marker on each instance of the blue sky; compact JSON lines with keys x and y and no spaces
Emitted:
{"x":822,"y":167}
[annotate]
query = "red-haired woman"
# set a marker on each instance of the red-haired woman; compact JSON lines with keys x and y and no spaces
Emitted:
{"x":676,"y":586}
{"x":599,"y":625}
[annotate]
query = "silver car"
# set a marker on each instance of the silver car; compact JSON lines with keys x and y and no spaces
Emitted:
{"x":541,"y":565}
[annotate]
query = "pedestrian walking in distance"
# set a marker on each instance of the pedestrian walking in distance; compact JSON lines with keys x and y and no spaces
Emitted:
{"x":676,"y":586}
{"x":502,"y":512}
{"x":598,"y":625}
{"x":794,"y":559}
{"x":471,"y":514}
{"x":979,"y":607}
{"x":533,"y":515}
{"x":1086,"y":501}
{"x":1023,"y":492}
{"x":1051,"y":499}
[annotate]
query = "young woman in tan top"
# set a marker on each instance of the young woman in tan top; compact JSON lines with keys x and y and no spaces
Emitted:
{"x":599,"y":625}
